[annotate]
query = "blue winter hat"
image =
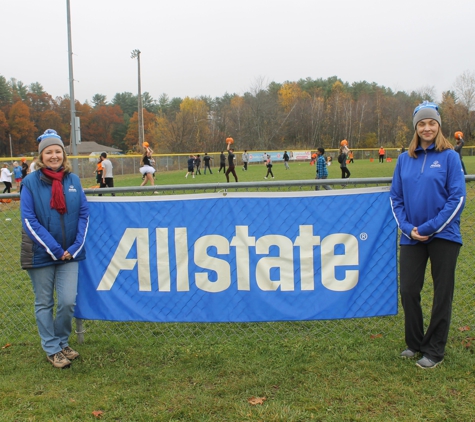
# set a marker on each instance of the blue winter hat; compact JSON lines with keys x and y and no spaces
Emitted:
{"x":426,"y":110}
{"x":50,"y":137}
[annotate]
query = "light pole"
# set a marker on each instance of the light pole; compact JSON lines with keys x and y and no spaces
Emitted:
{"x":71,"y":93}
{"x":133,"y":55}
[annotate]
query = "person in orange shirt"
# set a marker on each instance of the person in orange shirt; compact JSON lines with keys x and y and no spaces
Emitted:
{"x":382,"y":153}
{"x":98,"y":171}
{"x":350,"y":157}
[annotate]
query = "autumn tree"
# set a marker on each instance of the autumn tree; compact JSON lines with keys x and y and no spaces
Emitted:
{"x":4,"y":129}
{"x":150,"y":127}
{"x":22,"y":129}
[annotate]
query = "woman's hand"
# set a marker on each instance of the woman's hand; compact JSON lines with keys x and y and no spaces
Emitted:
{"x":416,"y":236}
{"x":66,"y":256}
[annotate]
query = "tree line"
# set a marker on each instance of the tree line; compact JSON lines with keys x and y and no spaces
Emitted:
{"x":292,"y":115}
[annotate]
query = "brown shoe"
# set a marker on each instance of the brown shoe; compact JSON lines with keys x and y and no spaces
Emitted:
{"x":58,"y":360}
{"x":70,"y":353}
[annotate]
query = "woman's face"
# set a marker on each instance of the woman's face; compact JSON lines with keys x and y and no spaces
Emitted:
{"x":52,"y":157}
{"x":427,"y":130}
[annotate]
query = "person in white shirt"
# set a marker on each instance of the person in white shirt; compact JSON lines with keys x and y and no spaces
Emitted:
{"x":107,"y":176}
{"x":6,"y":178}
{"x":245,"y":159}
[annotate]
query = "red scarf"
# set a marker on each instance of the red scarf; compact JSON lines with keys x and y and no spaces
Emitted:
{"x":57,"y":197}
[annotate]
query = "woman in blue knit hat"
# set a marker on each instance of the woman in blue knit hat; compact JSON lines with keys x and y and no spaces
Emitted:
{"x":427,"y":198}
{"x":55,"y":217}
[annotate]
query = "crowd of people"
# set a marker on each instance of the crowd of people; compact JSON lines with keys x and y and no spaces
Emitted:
{"x":18,"y":171}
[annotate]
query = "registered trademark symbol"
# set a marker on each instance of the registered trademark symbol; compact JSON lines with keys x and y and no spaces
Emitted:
{"x":364,"y":236}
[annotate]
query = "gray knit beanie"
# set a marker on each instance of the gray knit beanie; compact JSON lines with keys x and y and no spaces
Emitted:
{"x":426,"y":110}
{"x":50,"y":137}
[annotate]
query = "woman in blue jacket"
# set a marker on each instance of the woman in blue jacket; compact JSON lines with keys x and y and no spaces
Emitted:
{"x":55,"y":217}
{"x":427,"y":198}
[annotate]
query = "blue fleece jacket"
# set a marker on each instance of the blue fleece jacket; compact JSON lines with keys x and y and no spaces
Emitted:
{"x":428,"y":192}
{"x":46,"y":233}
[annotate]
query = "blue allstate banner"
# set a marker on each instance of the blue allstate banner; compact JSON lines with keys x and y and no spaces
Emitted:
{"x":240,"y":257}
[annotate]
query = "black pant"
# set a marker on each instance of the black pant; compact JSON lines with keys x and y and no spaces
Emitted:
{"x":381,"y":158}
{"x":269,"y":171}
{"x":8,"y":186}
{"x":107,"y":182}
{"x":231,"y":169}
{"x":345,"y":173}
{"x":245,"y":165}
{"x":198,"y":170}
{"x":443,"y":256}
{"x":209,"y":168}
{"x":222,"y":166}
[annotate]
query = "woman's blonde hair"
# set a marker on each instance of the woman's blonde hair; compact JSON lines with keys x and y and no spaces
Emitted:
{"x":66,"y":164}
{"x":441,"y":143}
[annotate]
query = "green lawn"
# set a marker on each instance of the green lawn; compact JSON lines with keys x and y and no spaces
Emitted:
{"x":345,"y":370}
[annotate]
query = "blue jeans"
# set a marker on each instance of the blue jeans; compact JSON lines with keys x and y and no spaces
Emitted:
{"x":55,"y":331}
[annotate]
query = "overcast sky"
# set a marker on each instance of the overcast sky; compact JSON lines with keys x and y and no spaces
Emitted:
{"x":210,"y":47}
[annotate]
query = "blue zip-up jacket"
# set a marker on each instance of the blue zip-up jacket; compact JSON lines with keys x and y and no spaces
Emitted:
{"x":47,"y":234}
{"x":428,"y":192}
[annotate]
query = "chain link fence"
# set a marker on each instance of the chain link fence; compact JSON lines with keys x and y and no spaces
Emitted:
{"x":17,"y":322}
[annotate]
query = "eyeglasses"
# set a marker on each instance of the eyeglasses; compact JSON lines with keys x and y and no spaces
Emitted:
{"x":426,"y":104}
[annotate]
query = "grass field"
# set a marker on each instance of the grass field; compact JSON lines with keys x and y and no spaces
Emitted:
{"x":343,"y":373}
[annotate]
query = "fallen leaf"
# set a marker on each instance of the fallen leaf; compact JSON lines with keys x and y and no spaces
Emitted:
{"x":464,"y":328}
{"x":467,"y":343}
{"x":256,"y":400}
{"x":6,"y":345}
{"x":373,"y":336}
{"x":97,"y":413}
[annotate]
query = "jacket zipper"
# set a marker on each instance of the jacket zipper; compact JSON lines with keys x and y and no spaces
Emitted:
{"x":424,"y":162}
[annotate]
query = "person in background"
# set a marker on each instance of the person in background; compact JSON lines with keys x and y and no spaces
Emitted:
{"x":381,"y":154}
{"x":206,"y":160}
{"x":191,"y":166}
{"x":198,"y":165}
{"x":322,"y":171}
{"x":245,"y":160}
{"x":107,"y":175}
{"x":427,"y":198}
{"x":351,"y":157}
{"x":459,"y":143}
{"x":24,"y":167}
{"x":17,"y":174}
{"x":147,"y":170}
{"x":222,"y":162}
{"x":33,"y":164}
{"x":231,"y":163}
{"x":269,"y":167}
{"x":6,"y":178}
{"x":98,"y":171}
{"x":55,"y":218}
{"x":345,"y":173}
{"x":286,"y":160}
